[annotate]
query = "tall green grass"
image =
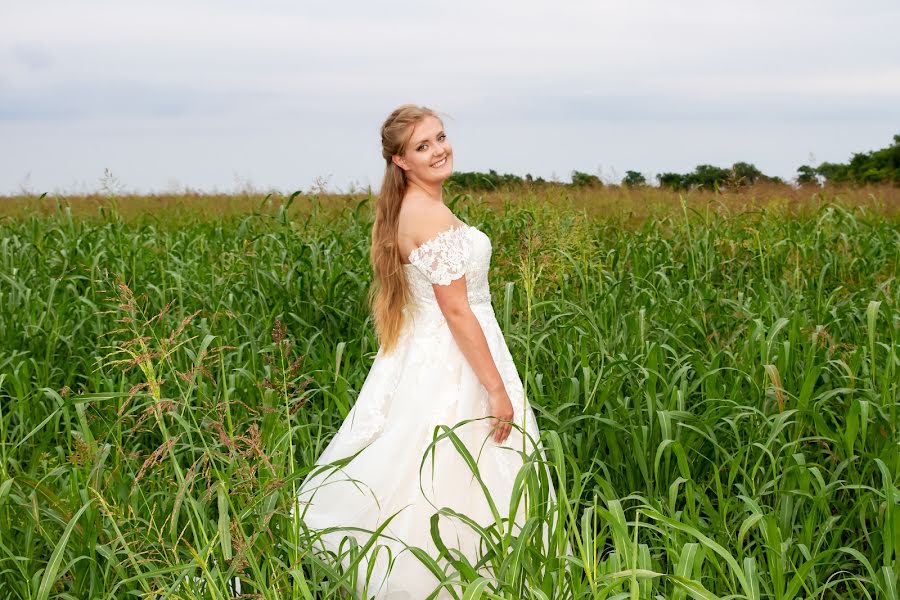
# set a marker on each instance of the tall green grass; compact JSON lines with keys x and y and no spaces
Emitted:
{"x":717,"y":391}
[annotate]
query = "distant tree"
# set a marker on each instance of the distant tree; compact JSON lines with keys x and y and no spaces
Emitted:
{"x":806,"y":175}
{"x":834,"y":172}
{"x":633,"y":179}
{"x":482,"y":181}
{"x":707,"y":176}
{"x":471,"y":181}
{"x":508,"y":179}
{"x":743,"y":174}
{"x":580,"y":179}
{"x":878,"y":166}
{"x":673,"y":181}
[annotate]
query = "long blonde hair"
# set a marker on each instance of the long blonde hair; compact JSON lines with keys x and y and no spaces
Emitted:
{"x":389,"y":292}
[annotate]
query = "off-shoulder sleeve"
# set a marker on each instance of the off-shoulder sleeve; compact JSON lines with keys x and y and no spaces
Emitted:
{"x":443,"y":258}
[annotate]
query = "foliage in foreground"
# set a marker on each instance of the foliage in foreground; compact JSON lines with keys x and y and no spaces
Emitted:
{"x":718,"y":395}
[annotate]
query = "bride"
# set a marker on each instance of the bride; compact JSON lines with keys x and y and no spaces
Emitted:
{"x":442,"y":361}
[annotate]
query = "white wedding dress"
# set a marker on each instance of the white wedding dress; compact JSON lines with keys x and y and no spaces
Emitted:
{"x":425,"y":382}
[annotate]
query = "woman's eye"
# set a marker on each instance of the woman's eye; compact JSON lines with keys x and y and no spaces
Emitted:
{"x":441,"y":137}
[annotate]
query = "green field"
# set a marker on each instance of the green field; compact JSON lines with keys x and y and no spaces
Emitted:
{"x":716,"y":378}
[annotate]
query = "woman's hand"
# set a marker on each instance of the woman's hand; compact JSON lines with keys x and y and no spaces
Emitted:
{"x":501,"y":408}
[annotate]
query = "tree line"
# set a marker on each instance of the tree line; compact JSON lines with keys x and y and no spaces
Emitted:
{"x":863,"y":168}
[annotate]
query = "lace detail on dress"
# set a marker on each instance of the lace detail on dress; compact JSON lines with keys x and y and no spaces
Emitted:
{"x":438,"y":261}
{"x":444,"y":257}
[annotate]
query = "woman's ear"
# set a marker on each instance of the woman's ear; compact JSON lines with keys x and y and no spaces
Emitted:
{"x":400,"y":162}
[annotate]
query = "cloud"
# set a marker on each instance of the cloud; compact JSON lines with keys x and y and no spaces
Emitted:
{"x":685,"y":106}
{"x":121,"y":99}
{"x":316,"y":79}
{"x":32,"y":56}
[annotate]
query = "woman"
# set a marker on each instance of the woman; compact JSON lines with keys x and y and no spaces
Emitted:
{"x":442,"y":360}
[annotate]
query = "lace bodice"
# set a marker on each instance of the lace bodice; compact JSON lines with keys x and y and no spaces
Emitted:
{"x":461,"y":250}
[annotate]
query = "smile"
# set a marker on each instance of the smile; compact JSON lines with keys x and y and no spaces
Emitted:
{"x":440,"y":163}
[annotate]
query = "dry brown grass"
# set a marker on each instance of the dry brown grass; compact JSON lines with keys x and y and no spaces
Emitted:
{"x":628,"y":205}
{"x":634,"y":205}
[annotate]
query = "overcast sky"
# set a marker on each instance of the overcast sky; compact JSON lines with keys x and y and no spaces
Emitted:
{"x":222,"y":95}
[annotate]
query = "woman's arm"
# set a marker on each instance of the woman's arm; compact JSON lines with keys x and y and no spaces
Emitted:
{"x":454,"y":303}
{"x":452,"y":298}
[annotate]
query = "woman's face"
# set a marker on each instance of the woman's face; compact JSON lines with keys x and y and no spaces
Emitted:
{"x":429,"y":157}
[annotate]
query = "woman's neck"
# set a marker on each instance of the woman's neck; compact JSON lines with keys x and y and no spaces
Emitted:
{"x":433,"y":192}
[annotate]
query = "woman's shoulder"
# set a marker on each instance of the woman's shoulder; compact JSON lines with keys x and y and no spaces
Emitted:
{"x":420,"y":221}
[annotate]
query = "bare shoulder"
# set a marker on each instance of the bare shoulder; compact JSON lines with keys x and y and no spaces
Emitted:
{"x":419,"y":221}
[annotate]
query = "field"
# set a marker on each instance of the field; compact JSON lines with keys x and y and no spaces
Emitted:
{"x":716,"y":377}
